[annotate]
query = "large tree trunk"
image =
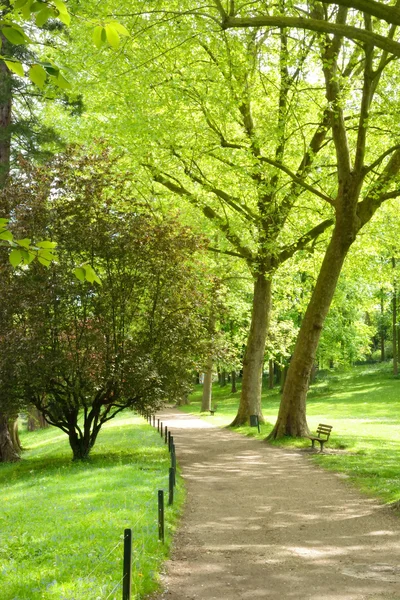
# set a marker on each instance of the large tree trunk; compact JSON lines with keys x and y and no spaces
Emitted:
{"x":7,"y":450}
{"x":14,"y":435}
{"x":207,"y":387}
{"x":80,"y":447}
{"x":253,"y":362}
{"x":292,"y":412}
{"x":5,"y":115}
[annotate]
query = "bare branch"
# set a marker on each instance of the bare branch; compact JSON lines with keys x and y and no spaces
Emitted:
{"x":379,"y":193}
{"x":298,"y":180}
{"x":208,"y":212}
{"x":380,"y":159}
{"x":304,"y":241}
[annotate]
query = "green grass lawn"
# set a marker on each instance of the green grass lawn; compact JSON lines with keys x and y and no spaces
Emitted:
{"x":62,"y":522}
{"x":362,"y":405}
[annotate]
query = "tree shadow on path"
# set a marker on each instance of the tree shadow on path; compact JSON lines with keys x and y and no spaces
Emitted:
{"x":265,"y":523}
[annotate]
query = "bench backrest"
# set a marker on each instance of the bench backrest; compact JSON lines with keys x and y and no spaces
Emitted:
{"x":324,"y":430}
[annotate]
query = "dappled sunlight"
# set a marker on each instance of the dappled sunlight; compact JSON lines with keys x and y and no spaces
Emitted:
{"x":299,"y":529}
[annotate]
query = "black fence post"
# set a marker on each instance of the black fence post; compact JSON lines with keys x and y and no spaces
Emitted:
{"x":127,"y":581}
{"x":161,"y":429}
{"x":170,"y":442}
{"x":161,"y":515}
{"x":171,"y":486}
{"x":166,"y":434}
{"x":158,"y":424}
{"x":173,"y":461}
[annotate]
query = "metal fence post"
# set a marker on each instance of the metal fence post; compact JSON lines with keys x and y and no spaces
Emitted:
{"x":173,"y":461}
{"x":127,"y":581}
{"x":161,"y":515}
{"x":171,"y":486}
{"x":166,"y":434}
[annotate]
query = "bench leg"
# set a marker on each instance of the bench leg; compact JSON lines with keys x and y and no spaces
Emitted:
{"x":321,"y":443}
{"x":312,"y":443}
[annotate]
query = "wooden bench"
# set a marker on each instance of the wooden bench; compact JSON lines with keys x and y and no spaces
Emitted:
{"x":322,"y":430}
{"x":212,"y":410}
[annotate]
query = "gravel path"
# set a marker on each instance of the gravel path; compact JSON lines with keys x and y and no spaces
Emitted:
{"x":266,"y":523}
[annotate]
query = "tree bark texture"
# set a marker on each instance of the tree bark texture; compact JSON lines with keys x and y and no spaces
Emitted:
{"x":292,"y":412}
{"x":207,"y":387}
{"x":7,"y":450}
{"x":5,"y":118}
{"x":14,"y":435}
{"x":253,"y":362}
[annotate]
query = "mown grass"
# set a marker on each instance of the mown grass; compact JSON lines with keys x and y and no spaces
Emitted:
{"x":363,"y":406}
{"x":62,"y":522}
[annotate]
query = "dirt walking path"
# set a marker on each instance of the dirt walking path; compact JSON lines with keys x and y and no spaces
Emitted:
{"x":266,"y":523}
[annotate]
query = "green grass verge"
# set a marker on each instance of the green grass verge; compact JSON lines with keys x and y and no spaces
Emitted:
{"x":62,"y":523}
{"x":363,"y":406}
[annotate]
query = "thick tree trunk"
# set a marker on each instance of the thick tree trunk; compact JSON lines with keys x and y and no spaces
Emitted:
{"x":207,"y":387}
{"x":7,"y":450}
{"x":253,"y":362}
{"x":14,"y":435}
{"x":292,"y":412}
{"x":233,"y":386}
{"x":5,"y":117}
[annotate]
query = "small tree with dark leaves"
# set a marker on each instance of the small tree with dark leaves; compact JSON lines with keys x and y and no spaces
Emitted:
{"x":93,"y":349}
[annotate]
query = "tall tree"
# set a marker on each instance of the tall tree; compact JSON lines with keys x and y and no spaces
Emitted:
{"x":243,"y":172}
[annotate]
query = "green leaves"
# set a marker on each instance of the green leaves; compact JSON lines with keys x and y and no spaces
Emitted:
{"x":37,"y":75}
{"x":63,"y":13}
{"x":86,"y":273}
{"x":14,"y":35}
{"x":44,"y":10}
{"x":21,"y":256}
{"x":110,"y":32}
{"x":16,"y":67}
{"x":23,"y":251}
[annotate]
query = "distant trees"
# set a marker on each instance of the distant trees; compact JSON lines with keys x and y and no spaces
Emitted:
{"x":89,"y":349}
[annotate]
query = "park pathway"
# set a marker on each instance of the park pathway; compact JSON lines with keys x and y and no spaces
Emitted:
{"x":266,"y":523}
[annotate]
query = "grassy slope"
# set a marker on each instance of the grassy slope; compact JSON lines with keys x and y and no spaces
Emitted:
{"x":363,"y":405}
{"x":61,"y":523}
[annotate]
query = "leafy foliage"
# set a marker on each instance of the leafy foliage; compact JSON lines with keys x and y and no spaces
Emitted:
{"x":128,"y":342}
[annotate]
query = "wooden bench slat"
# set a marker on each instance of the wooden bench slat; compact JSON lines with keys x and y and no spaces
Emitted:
{"x":324,"y":430}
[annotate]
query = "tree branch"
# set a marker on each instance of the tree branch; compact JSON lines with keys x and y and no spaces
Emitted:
{"x":208,"y":212}
{"x":339,"y":29}
{"x":368,"y":169}
{"x":380,"y":10}
{"x":378,"y":194}
{"x":304,"y":240}
{"x":298,"y":180}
